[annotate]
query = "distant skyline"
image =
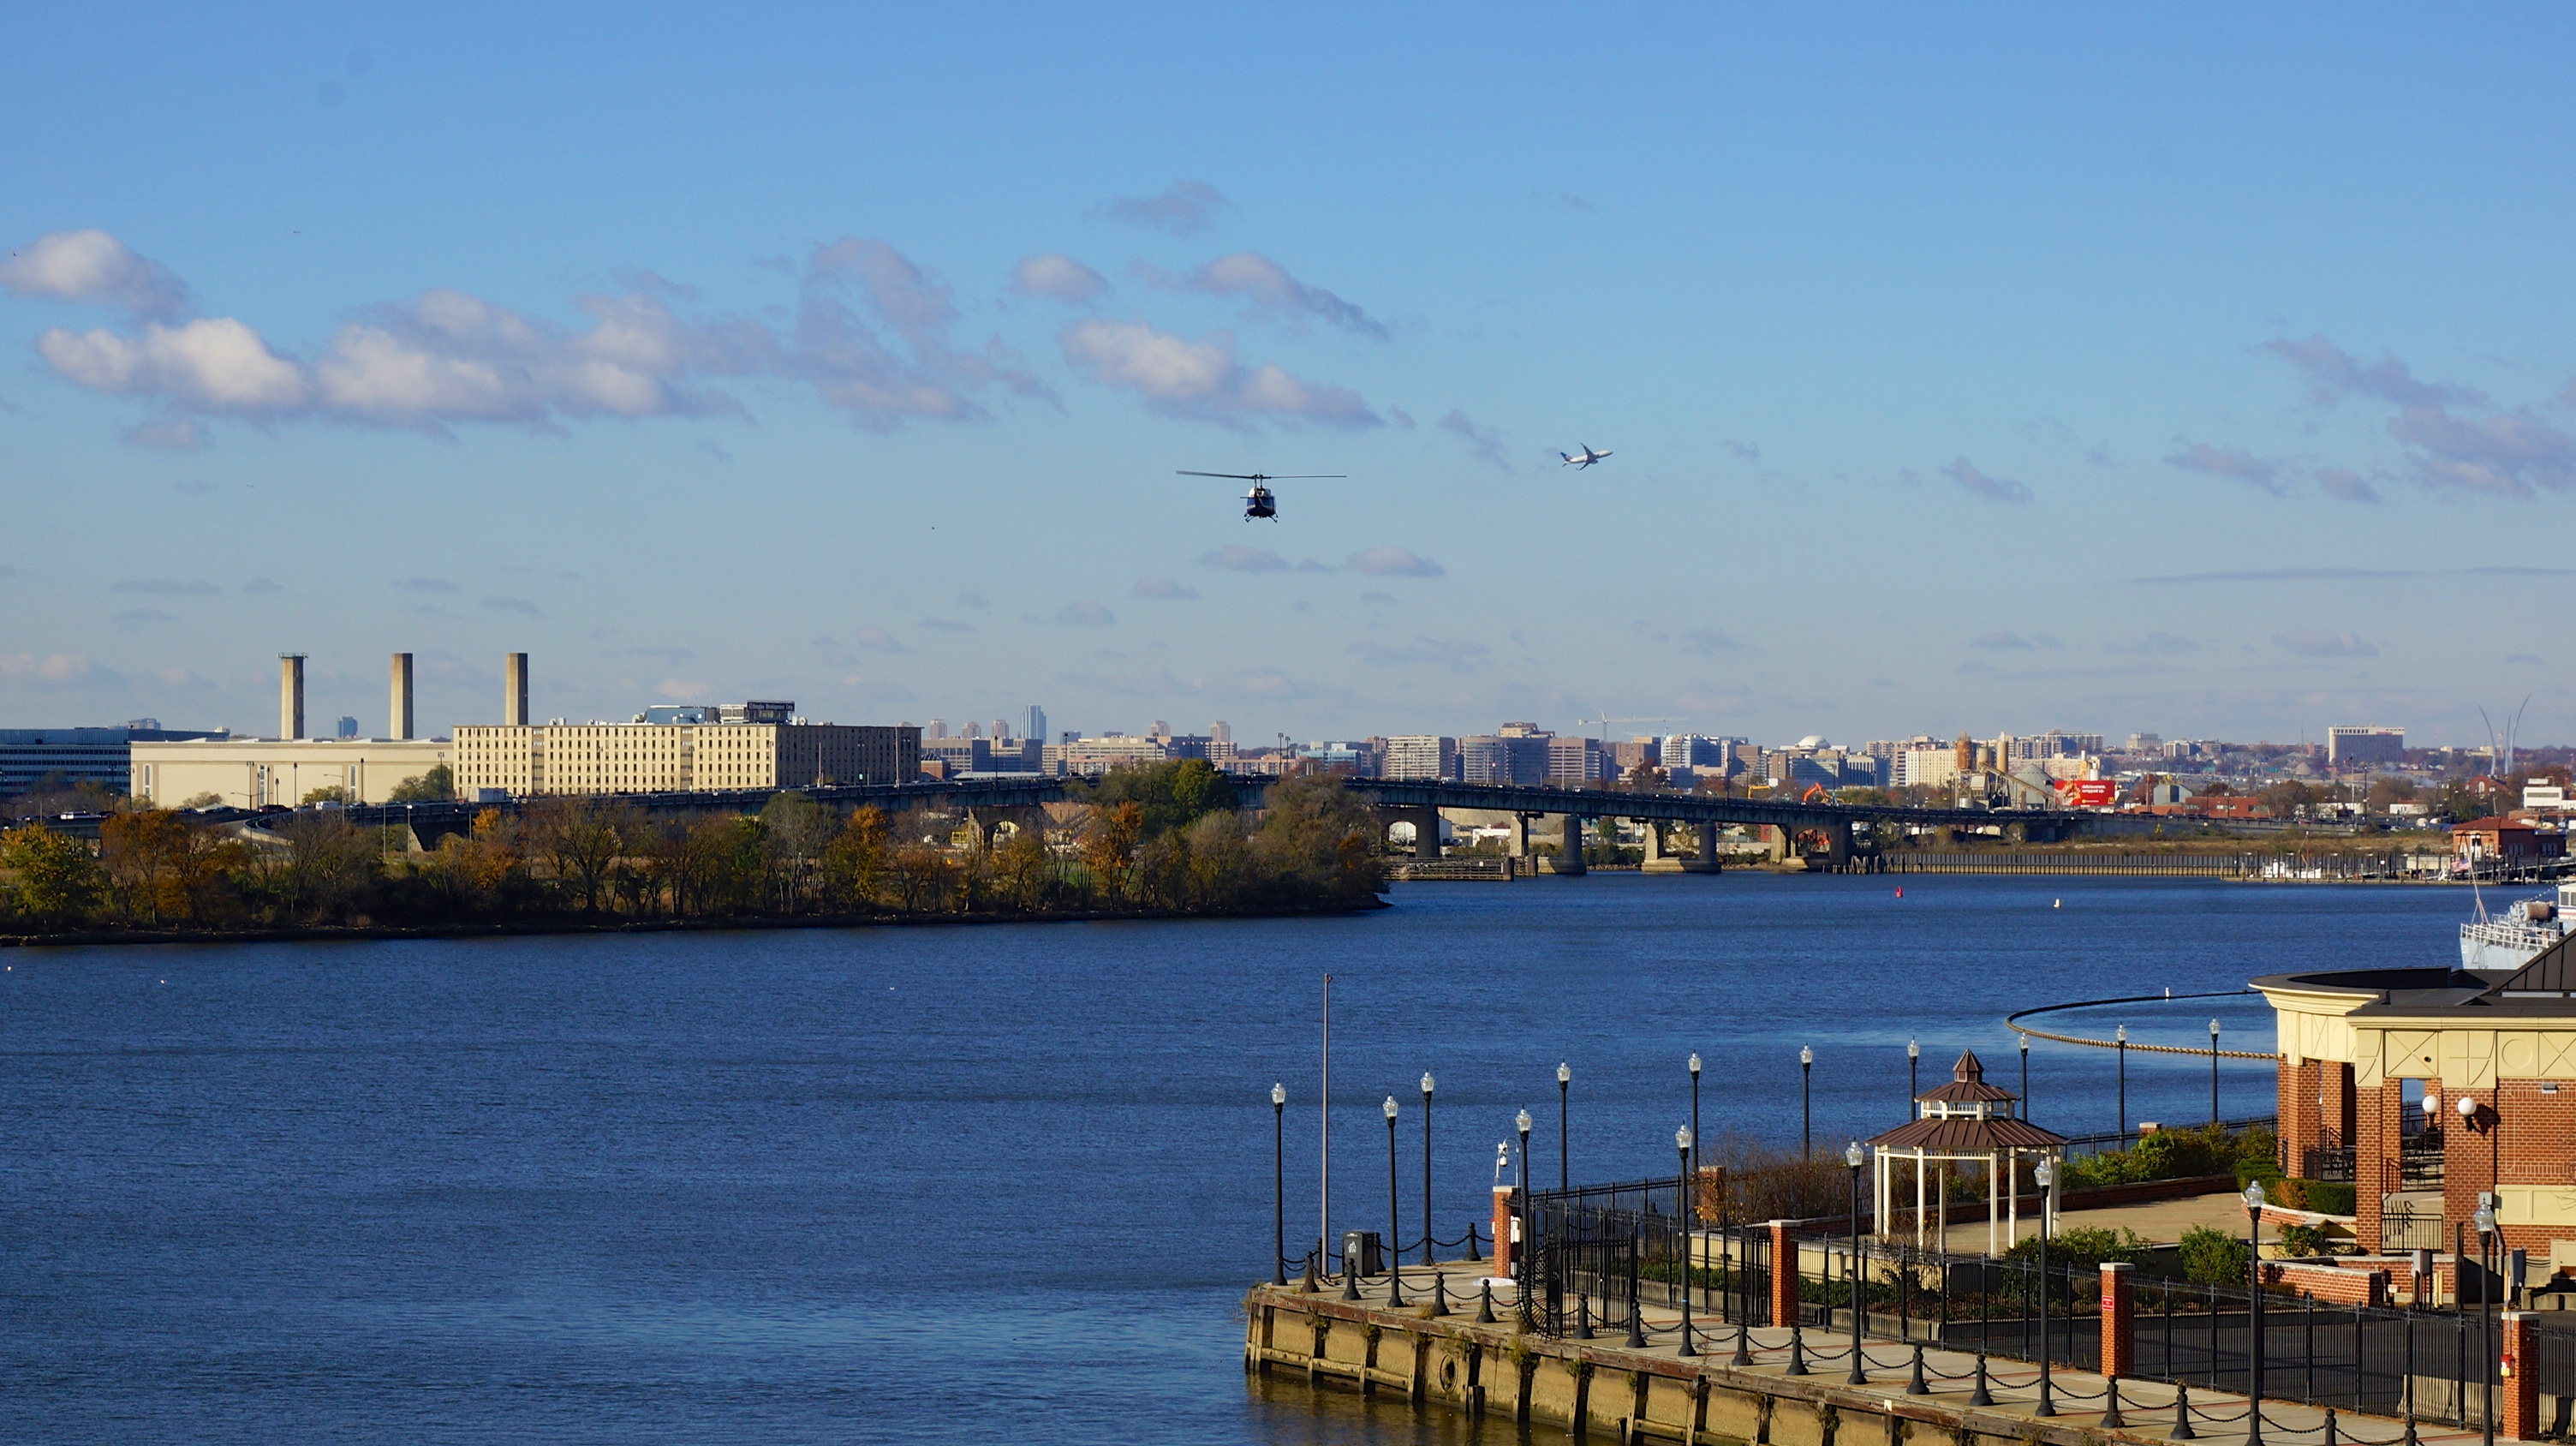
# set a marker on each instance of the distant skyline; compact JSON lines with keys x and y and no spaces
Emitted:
{"x":2209,"y":373}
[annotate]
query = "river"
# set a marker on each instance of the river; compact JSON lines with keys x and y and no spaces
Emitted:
{"x":992,"y":1184}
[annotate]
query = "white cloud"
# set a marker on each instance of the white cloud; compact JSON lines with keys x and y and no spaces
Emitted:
{"x":1163,"y":587}
{"x":215,"y":363}
{"x":877,"y":640}
{"x":1183,"y":209}
{"x":1485,"y":442}
{"x":93,"y":266}
{"x":2337,"y":374}
{"x":1239,"y":558}
{"x":1274,"y":292}
{"x":1085,"y":615}
{"x":2235,"y":465}
{"x":2346,"y":485}
{"x":1059,"y":278}
{"x":1393,"y":562}
{"x":2327,"y":645}
{"x":178,"y":434}
{"x":1201,"y":380}
{"x":54,"y":670}
{"x":1965,"y":473}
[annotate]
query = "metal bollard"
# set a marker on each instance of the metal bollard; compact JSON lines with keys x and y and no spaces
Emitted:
{"x":1582,"y":1318}
{"x":2182,"y":1413}
{"x":1350,"y":1280}
{"x":1308,"y":1288}
{"x":2330,"y":1426}
{"x":1471,"y":1241}
{"x":2111,"y":1413}
{"x":1439,"y":1295}
{"x":1916,"y":1387}
{"x":1485,"y":1305}
{"x":1636,"y":1326}
{"x":1797,"y":1349}
{"x":1981,"y":1396}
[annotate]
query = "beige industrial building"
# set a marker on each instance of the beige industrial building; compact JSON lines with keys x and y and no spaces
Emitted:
{"x":679,"y":757}
{"x":287,"y":769}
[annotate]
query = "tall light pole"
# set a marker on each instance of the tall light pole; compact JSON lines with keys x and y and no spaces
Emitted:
{"x":2254,"y":1269}
{"x":1685,"y":1140}
{"x":1279,"y":1178}
{"x":1852,"y":1157}
{"x":2046,"y":1174}
{"x":1394,"y":1219}
{"x":1690,"y":1167}
{"x":2025,"y":1079}
{"x":1913,"y":1074}
{"x":1564,"y":1081}
{"x":1324,"y":1183}
{"x":1806,"y":1102}
{"x":2486,"y":1223}
{"x":2213,"y":1071}
{"x":2120,"y":1037}
{"x":1427,"y":1257}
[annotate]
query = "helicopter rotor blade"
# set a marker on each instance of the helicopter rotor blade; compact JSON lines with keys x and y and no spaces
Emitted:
{"x":1234,"y":476}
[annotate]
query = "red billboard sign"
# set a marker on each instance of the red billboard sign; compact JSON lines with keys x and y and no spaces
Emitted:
{"x":2088,"y":792}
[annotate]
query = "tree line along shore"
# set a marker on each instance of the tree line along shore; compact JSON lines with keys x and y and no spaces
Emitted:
{"x":1165,"y":838}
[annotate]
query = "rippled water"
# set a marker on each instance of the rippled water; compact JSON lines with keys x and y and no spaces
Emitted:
{"x":982,"y":1184}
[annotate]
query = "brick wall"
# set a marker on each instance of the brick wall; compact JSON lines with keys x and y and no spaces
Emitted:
{"x":2329,"y":1284}
{"x":2297,"y":1108}
{"x":2379,"y":1115}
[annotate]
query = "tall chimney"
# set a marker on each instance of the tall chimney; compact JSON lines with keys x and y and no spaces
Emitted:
{"x":290,"y":695}
{"x":514,"y":689}
{"x":401,"y":708}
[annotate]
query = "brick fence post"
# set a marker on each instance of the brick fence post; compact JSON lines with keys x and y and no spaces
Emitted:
{"x":1507,"y":1232}
{"x":1784,"y":1275}
{"x":2118,"y":1329}
{"x":2521,"y":1403}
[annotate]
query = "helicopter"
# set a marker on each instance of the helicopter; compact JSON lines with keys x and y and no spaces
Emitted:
{"x":1258,"y":502}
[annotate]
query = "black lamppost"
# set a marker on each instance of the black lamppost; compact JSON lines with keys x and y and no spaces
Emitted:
{"x":2485,"y":1220}
{"x":1683,"y":1140}
{"x":1692,"y":1168}
{"x":2025,"y":1077}
{"x":1913,"y":1073}
{"x":1279,"y":1179}
{"x":2213,"y":1071}
{"x":1564,"y":1080}
{"x":2254,"y":1267}
{"x":2120,"y":1046}
{"x":1852,"y":1157}
{"x":1806,"y":1103}
{"x":1394,"y":1219}
{"x":2046,"y":1174}
{"x":1427,"y":1257}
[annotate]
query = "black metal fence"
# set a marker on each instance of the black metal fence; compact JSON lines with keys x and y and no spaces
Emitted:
{"x":1599,"y":1254}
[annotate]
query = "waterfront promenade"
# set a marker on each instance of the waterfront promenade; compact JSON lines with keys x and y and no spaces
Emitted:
{"x":1608,"y":1388}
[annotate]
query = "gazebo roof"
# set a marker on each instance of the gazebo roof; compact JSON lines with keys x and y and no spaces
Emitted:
{"x":1967,"y":1085}
{"x":1965,"y":1135}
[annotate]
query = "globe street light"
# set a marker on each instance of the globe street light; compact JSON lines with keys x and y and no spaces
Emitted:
{"x":1427,"y":1257}
{"x":2254,"y":1232}
{"x":1394,"y":1219}
{"x":1852,"y":1157}
{"x":1279,"y":1180}
{"x":1564,"y":1079}
{"x":2213,"y":1071}
{"x":2046,"y":1174}
{"x":1683,"y":1140}
{"x":1806,"y":1103}
{"x":1692,"y":1168}
{"x":2485,"y":1221}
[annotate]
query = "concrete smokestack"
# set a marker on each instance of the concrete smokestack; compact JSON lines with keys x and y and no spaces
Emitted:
{"x":401,"y":701}
{"x":290,"y":695}
{"x":514,"y":689}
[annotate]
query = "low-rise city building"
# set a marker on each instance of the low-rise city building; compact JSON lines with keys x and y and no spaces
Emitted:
{"x":260,"y":772}
{"x":100,"y":757}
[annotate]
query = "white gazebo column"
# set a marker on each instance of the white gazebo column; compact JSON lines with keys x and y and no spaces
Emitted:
{"x":2012,"y":1197}
{"x":1941,"y":1202}
{"x":1918,"y":1199}
{"x":1993,"y":1204}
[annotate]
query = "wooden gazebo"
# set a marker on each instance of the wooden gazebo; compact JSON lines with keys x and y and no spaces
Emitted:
{"x":1966,"y":1119}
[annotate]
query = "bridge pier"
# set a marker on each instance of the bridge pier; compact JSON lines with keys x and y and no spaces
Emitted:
{"x":1707,"y":862}
{"x":1656,"y":860}
{"x":1426,"y":827}
{"x":1518,"y":844}
{"x":1569,"y":854}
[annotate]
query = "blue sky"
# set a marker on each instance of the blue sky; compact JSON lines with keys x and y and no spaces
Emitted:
{"x":2204,"y":372}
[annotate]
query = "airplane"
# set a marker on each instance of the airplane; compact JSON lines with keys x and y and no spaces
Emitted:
{"x":1258,"y":502}
{"x":1587,"y":459}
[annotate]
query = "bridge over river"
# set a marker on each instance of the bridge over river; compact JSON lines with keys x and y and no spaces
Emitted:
{"x":1824,"y":830}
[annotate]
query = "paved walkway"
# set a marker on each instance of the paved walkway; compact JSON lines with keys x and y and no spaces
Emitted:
{"x":2080,"y":1397}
